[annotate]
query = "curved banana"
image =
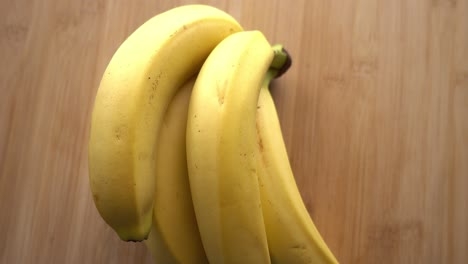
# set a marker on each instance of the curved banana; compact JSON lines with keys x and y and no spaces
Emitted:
{"x":292,"y":236}
{"x":138,"y":84}
{"x":174,"y":237}
{"x":221,"y":142}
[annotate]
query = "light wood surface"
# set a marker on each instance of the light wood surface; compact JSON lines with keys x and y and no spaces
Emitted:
{"x":374,"y":113}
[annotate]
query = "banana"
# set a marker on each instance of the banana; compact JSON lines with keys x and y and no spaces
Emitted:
{"x":138,"y":84}
{"x":221,"y":142}
{"x":174,"y":237}
{"x":291,"y":233}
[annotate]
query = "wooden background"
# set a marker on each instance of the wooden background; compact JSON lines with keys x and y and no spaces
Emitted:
{"x":374,"y":113}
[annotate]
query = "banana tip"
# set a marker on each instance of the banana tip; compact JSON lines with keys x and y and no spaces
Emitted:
{"x":287,"y":64}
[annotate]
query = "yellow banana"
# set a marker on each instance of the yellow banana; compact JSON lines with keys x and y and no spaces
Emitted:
{"x":174,"y":237}
{"x":138,"y":84}
{"x":221,"y":143}
{"x":292,"y":236}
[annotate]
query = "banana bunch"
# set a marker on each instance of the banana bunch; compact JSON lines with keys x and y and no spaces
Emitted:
{"x":186,"y":151}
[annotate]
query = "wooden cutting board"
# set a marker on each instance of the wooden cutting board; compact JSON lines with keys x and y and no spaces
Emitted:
{"x":374,"y":113}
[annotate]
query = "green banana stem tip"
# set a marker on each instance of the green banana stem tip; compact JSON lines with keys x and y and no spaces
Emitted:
{"x":281,"y":61}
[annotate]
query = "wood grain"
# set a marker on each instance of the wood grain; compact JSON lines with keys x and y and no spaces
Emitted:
{"x":374,"y":113}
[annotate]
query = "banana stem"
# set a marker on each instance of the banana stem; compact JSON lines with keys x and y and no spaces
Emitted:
{"x":281,"y":61}
{"x":280,"y":64}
